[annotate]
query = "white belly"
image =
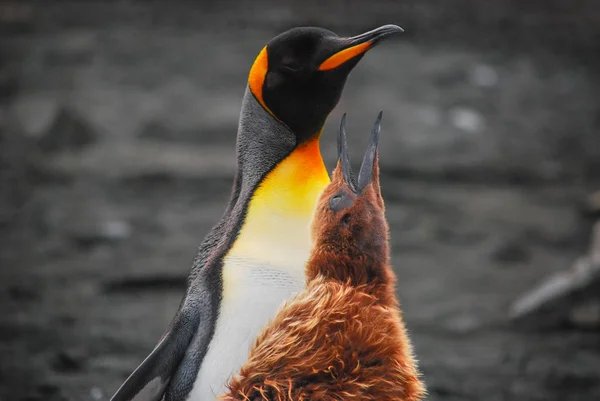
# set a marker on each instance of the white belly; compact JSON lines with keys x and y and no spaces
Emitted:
{"x":253,"y":291}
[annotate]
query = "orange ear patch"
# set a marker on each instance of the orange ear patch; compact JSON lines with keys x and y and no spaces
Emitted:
{"x":256,"y":79}
{"x":342,"y":56}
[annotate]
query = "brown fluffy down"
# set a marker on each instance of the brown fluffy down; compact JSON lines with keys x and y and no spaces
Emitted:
{"x":343,"y":337}
{"x":332,"y":342}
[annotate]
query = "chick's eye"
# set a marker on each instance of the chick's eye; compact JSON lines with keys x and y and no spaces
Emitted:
{"x":334,"y":201}
{"x":346,"y":220}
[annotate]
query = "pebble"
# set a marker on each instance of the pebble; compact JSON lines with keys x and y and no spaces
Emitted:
{"x":96,"y":393}
{"x":115,"y":230}
{"x":483,"y":75}
{"x":102,"y":232}
{"x":466,"y":119}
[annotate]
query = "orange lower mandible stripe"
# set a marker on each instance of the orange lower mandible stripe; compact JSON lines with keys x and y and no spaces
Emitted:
{"x":342,"y":56}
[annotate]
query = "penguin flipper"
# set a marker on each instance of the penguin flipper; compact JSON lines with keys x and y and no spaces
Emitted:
{"x":150,"y":379}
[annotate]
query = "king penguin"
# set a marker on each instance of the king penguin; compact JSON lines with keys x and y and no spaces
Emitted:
{"x":254,"y":257}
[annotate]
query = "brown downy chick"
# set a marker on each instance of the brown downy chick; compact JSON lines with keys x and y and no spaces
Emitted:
{"x":343,"y":337}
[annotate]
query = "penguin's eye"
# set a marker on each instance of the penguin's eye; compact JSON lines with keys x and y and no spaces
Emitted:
{"x":292,"y":67}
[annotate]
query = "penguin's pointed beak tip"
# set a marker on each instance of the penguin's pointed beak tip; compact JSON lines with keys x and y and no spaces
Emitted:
{"x":350,"y":47}
{"x":376,"y":35}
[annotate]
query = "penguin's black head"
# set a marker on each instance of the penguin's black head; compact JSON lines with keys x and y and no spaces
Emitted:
{"x":299,"y":76}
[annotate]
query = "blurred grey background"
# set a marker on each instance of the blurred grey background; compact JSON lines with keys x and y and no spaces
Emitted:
{"x":117,"y":130}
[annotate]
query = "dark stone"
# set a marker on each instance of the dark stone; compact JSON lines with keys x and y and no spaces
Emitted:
{"x":155,"y":130}
{"x":22,"y":293}
{"x":31,"y":397}
{"x":67,"y":58}
{"x":66,"y":320}
{"x":564,"y":299}
{"x":511,"y":252}
{"x":68,"y":362}
{"x":147,"y":283}
{"x":15,"y":19}
{"x":48,"y":389}
{"x":9,"y":85}
{"x":69,"y":131}
{"x":591,"y":205}
{"x":459,"y":236}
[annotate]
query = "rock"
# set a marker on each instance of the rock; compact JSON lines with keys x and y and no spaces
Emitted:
{"x":15,"y":18}
{"x":69,"y":131}
{"x":510,"y":252}
{"x":552,"y":300}
{"x":565,"y":296}
{"x":68,"y":361}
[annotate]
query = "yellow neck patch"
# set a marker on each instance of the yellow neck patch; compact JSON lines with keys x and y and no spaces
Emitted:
{"x":276,"y":228}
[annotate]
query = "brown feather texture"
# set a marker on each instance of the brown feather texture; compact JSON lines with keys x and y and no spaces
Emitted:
{"x":343,"y":337}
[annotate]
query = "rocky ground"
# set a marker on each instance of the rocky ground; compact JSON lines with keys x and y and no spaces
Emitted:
{"x":117,"y":125}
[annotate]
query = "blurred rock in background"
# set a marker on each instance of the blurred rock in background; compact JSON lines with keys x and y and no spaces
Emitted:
{"x":117,"y":131}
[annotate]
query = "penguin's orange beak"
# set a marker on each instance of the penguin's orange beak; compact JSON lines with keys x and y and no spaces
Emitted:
{"x":357,"y":45}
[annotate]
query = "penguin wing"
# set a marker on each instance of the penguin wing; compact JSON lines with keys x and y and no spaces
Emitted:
{"x":150,"y":379}
{"x":194,"y":322}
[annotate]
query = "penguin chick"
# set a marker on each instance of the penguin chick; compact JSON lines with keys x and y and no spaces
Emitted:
{"x":343,"y":337}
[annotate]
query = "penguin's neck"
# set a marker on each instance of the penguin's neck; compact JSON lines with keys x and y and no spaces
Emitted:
{"x":275,"y":228}
{"x":264,"y":237}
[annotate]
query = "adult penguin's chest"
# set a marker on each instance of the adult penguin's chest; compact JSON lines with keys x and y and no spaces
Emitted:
{"x":264,"y":268}
{"x":253,"y":292}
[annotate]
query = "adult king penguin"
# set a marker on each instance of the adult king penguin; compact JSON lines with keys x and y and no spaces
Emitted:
{"x":254,"y":258}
